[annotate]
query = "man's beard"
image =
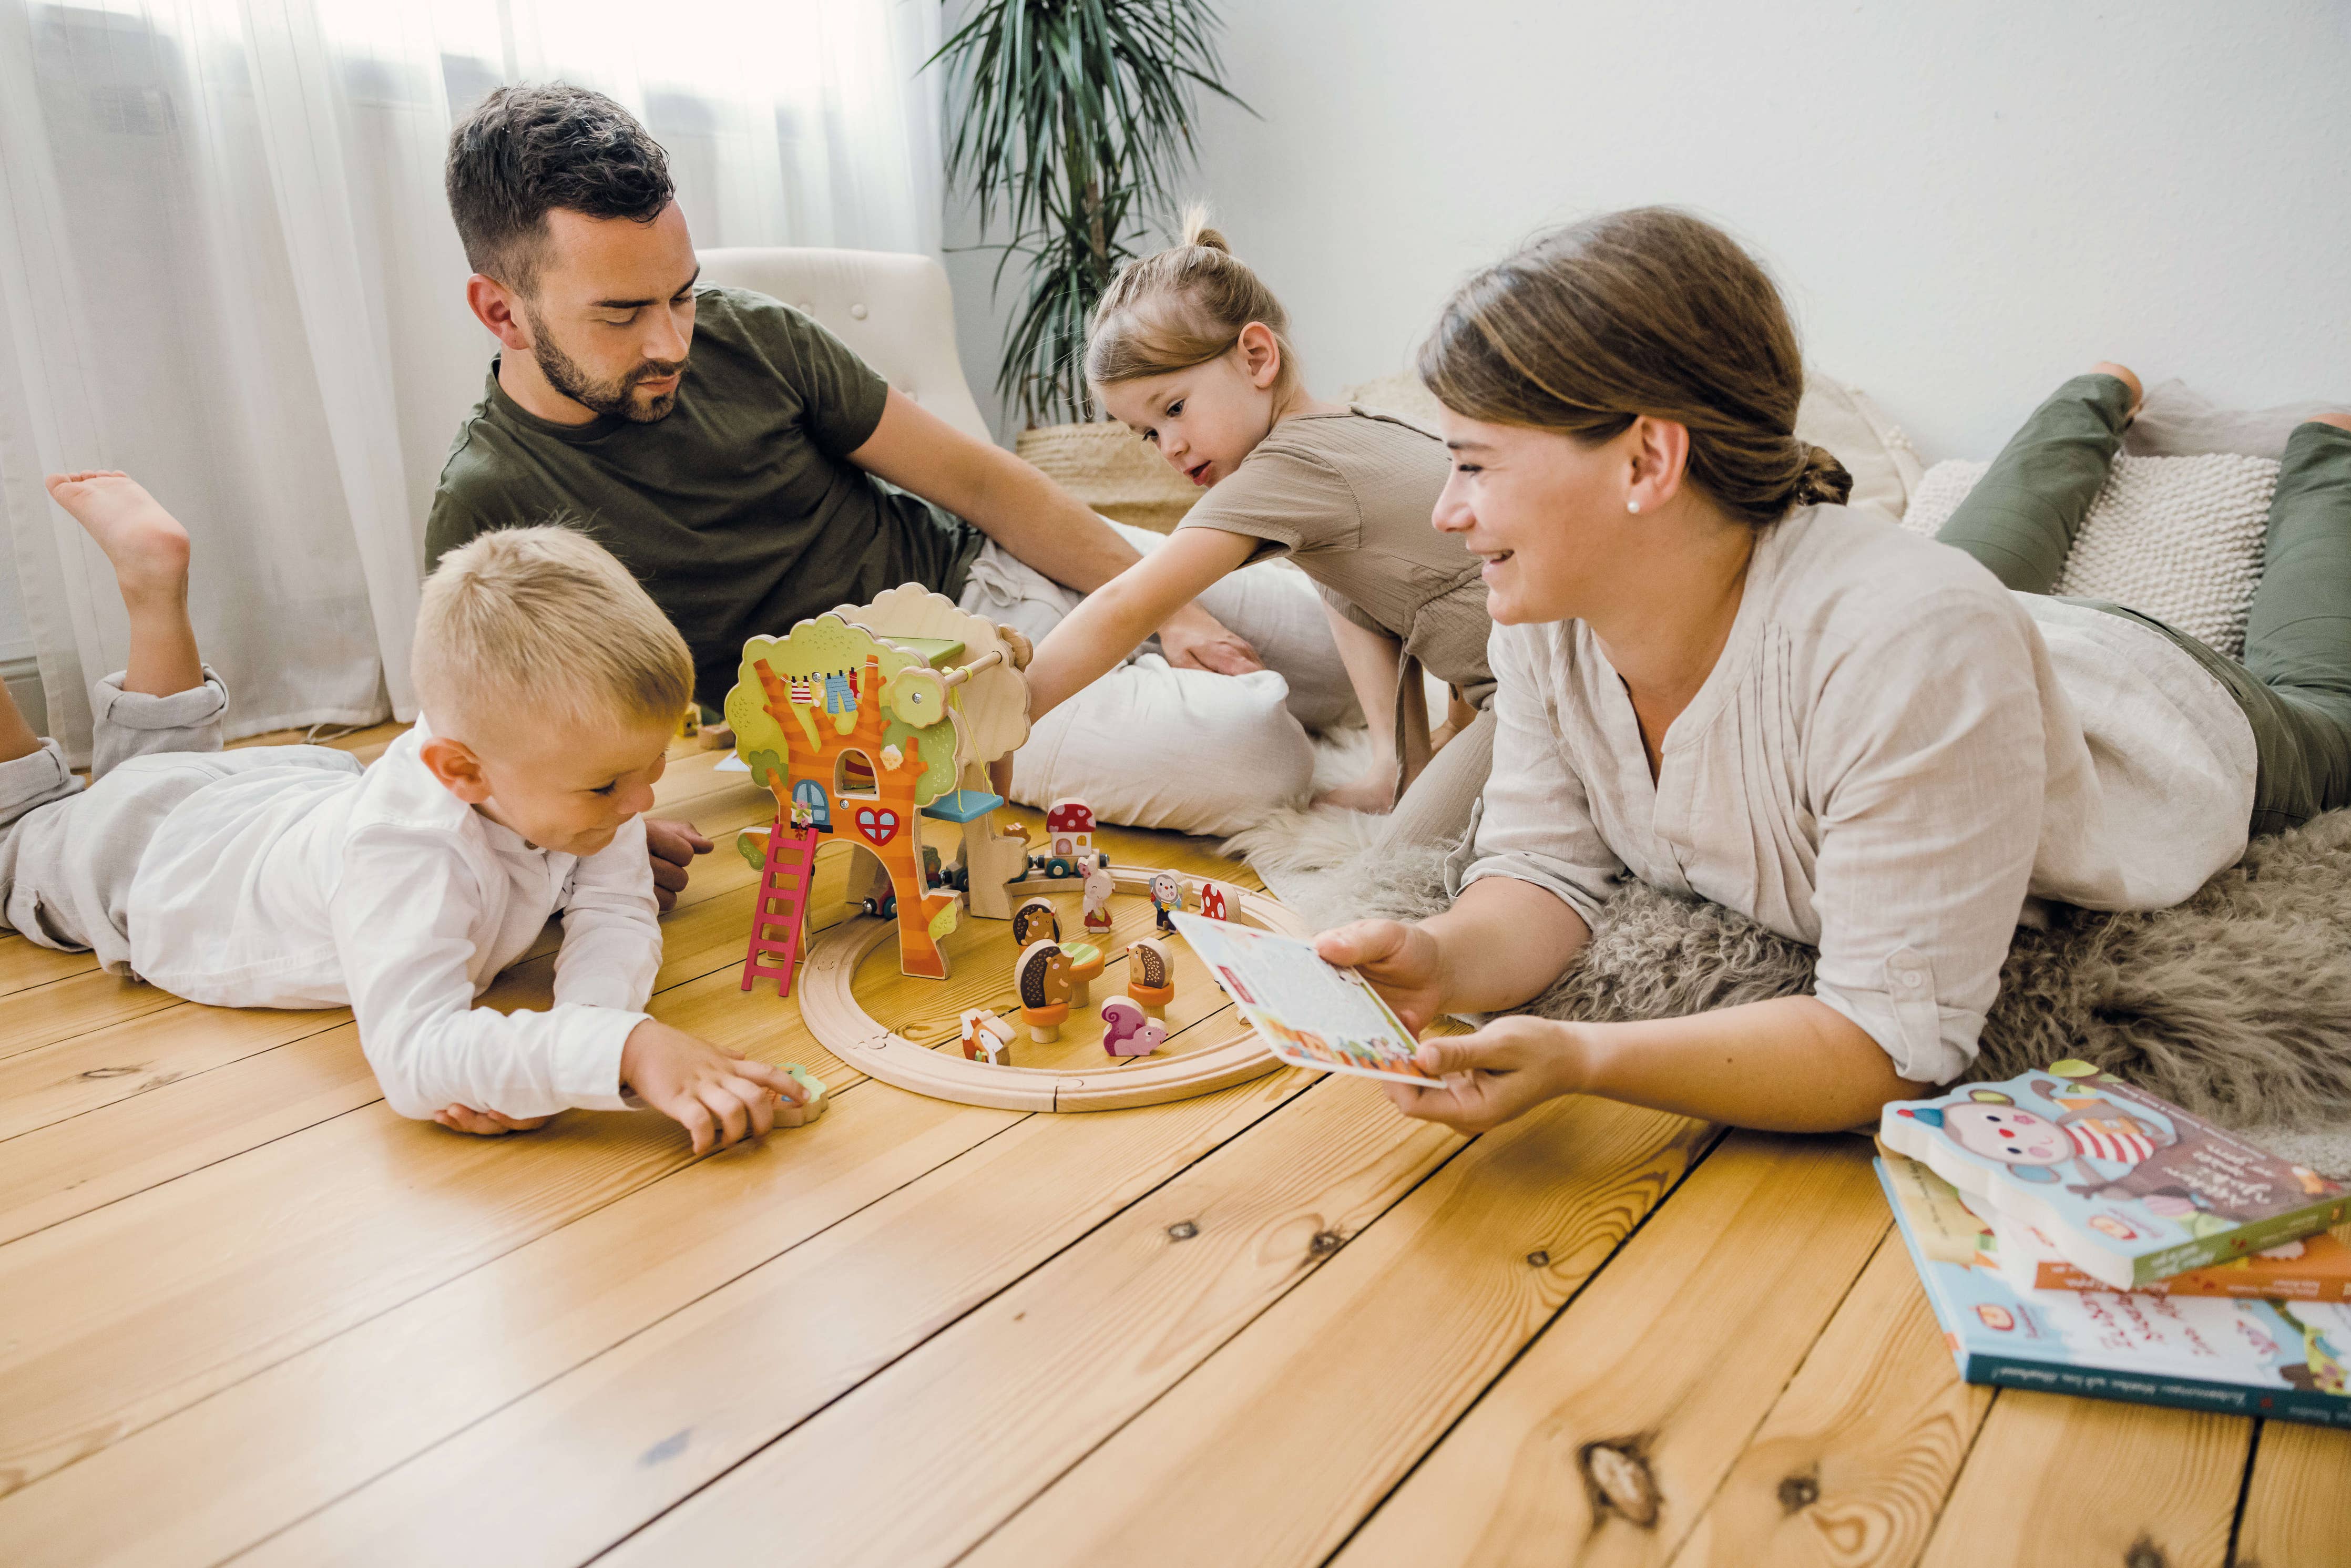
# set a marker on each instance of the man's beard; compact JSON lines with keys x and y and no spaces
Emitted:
{"x":612,"y":398}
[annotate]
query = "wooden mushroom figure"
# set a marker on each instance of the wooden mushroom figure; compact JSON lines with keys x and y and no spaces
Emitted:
{"x":1041,"y":976}
{"x":1085,"y":968}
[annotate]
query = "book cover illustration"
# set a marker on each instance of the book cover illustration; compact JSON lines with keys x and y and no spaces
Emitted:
{"x":2129,"y":1187}
{"x":2284,"y":1360}
{"x":2316,"y":1269}
{"x":1310,"y":1012}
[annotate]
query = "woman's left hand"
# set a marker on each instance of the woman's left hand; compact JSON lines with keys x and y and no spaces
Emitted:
{"x":1500,"y":1072}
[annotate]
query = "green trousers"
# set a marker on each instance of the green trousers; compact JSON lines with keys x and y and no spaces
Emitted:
{"x":2295,"y":683}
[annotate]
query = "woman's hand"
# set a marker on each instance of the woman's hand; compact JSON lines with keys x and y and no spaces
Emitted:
{"x":1402,"y":962}
{"x":1500,"y":1072}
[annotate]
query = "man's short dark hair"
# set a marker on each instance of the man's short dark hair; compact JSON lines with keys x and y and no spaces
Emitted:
{"x":529,"y":150}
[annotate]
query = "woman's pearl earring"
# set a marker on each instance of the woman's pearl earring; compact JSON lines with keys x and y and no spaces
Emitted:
{"x":1633,"y":506}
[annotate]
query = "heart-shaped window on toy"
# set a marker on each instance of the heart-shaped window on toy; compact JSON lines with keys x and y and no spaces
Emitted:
{"x":879,"y":825}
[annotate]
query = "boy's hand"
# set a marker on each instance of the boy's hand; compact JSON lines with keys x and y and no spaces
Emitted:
{"x":671,"y":846}
{"x":1500,"y":1072}
{"x":486,"y":1123}
{"x":718,"y":1098}
{"x":1401,"y":961}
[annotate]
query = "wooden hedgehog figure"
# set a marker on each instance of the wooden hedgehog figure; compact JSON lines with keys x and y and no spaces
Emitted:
{"x":1041,"y":974}
{"x":1127,"y":1031}
{"x":1149,"y":977}
{"x":1035,"y":920}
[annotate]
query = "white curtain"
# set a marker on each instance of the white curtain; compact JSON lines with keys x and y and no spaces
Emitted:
{"x":227,"y":266}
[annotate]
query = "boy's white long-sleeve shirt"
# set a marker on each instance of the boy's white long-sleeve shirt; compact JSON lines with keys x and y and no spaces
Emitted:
{"x":305,"y":887}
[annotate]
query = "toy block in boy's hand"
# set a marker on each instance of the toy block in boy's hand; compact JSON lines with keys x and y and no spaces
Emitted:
{"x":819,"y":1101}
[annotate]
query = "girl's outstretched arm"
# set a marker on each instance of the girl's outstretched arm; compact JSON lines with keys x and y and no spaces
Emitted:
{"x":1121,"y":615}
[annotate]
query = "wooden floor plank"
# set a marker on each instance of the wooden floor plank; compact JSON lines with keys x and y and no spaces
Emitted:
{"x":223,"y":1473}
{"x":244,"y":1263}
{"x":90,"y":1071}
{"x":585,"y":1459}
{"x":2298,"y":1502}
{"x":1651,"y":1381}
{"x":24,"y":965}
{"x":2059,"y":1482}
{"x":1856,"y":1460}
{"x":929,"y":1456}
{"x":63,"y":1009}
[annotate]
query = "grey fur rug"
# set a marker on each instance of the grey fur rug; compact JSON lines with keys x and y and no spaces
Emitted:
{"x":2236,"y":1004}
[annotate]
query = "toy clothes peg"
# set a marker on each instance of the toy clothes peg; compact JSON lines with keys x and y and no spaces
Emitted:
{"x":1166,"y":898}
{"x":1041,"y":976}
{"x":986,"y":1038}
{"x":1150,"y":977}
{"x":1097,"y":906}
{"x":790,"y":1115}
{"x":1085,"y":967}
{"x":1213,"y":900}
{"x":1035,"y":920}
{"x":1128,"y":1031}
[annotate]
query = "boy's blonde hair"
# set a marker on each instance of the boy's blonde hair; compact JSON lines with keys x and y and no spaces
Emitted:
{"x":527,"y":623}
{"x":1181,"y":307}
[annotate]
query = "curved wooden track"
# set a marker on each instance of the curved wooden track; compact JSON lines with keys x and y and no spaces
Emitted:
{"x":830,"y":1007}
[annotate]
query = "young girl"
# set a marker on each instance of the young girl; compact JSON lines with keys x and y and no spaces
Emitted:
{"x":1718,"y":680}
{"x":1190,"y":348}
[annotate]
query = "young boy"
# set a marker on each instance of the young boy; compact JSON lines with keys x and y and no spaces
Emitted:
{"x":286,"y":877}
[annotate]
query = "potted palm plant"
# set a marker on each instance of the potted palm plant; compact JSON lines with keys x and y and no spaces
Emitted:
{"x":1072,"y":120}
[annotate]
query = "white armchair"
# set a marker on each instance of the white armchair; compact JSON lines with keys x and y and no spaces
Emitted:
{"x":894,"y":311}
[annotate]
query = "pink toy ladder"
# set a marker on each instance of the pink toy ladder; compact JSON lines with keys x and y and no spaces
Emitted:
{"x":784,"y":880}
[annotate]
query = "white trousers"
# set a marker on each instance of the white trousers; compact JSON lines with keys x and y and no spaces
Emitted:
{"x":1189,"y":750}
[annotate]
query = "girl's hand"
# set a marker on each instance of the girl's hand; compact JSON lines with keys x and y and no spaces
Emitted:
{"x":1500,"y":1072}
{"x":1194,"y":639}
{"x":486,"y":1123}
{"x":1402,"y":962}
{"x":717,"y":1097}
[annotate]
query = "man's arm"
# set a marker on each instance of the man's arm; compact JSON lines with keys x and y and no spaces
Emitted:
{"x":1028,"y":515}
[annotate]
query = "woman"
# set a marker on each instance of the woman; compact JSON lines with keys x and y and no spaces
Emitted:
{"x":1715,"y":679}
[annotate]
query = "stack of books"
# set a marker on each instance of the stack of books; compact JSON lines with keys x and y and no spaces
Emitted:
{"x":2077,"y":1235}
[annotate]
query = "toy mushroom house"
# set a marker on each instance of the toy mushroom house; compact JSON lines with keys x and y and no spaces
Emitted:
{"x":1069,"y":835}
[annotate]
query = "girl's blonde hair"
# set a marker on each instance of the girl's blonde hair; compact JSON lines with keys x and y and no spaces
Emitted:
{"x":1649,"y":311}
{"x":1182,"y":307}
{"x":526,"y":625}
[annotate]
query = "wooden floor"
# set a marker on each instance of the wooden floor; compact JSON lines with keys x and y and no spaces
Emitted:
{"x":247,"y":1312}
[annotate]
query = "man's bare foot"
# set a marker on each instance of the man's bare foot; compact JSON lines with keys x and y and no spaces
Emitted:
{"x":147,"y":545}
{"x":1373,"y":792}
{"x":2129,"y":378}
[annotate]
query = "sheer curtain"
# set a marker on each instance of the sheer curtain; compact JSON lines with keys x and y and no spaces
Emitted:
{"x":227,"y":267}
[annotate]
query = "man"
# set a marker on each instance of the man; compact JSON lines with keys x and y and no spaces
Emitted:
{"x":752,"y":471}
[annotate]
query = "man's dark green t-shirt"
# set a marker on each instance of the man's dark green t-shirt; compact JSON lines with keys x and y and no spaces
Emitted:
{"x":740,"y":510}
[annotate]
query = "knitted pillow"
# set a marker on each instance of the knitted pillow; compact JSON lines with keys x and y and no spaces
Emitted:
{"x":2179,"y":538}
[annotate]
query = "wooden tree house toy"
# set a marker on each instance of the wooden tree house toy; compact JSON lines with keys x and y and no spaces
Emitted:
{"x":859,"y":722}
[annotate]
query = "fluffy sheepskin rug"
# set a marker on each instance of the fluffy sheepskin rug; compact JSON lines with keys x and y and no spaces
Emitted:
{"x":2236,"y":1004}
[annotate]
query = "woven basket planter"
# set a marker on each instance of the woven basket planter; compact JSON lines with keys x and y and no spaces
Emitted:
{"x":1105,"y":466}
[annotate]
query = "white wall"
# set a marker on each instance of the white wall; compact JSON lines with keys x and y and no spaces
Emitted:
{"x":1965,"y":203}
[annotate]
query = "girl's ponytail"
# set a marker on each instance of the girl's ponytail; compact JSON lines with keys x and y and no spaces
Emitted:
{"x":1182,"y":307}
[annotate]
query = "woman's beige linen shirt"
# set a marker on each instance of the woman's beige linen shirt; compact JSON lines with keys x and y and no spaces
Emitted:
{"x":1892,"y":752}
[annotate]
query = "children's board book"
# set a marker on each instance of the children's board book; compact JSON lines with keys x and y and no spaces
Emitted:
{"x":2277,"y":1359}
{"x":1311,"y":1012}
{"x":2130,"y":1188}
{"x":2316,"y":1268}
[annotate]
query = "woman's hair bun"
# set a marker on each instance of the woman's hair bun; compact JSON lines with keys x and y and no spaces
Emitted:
{"x":1824,"y":479}
{"x":1197,"y":232}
